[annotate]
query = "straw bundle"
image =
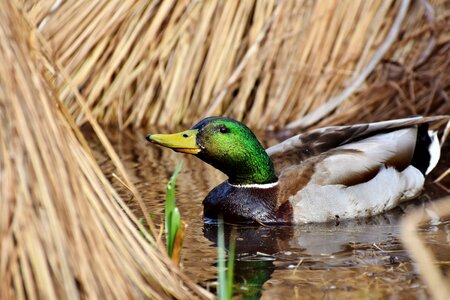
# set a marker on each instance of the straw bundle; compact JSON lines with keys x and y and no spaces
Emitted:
{"x":270,"y":63}
{"x":64,"y":231}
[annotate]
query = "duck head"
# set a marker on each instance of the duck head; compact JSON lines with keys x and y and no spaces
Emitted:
{"x":227,"y":145}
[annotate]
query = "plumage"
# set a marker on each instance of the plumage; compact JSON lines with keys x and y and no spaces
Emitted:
{"x":317,"y":176}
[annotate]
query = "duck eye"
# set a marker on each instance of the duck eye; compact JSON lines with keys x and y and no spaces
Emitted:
{"x":224,"y":130}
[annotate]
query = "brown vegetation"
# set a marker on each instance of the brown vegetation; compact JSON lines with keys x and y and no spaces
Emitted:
{"x":65,"y":233}
{"x":270,"y":63}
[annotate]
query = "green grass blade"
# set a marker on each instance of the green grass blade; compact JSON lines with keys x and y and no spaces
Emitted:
{"x":175,"y":220}
{"x":221,"y":272}
{"x":225,"y":274}
{"x":171,"y":218}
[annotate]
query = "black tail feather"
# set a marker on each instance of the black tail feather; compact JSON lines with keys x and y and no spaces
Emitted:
{"x":421,"y":158}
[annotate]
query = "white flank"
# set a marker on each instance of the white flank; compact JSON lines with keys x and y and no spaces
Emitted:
{"x":317,"y":203}
{"x":435,"y":151}
{"x":254,"y":185}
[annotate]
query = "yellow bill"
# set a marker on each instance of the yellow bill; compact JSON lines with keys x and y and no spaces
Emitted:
{"x":184,"y":141}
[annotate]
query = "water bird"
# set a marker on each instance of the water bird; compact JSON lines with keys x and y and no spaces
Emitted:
{"x":326,"y":174}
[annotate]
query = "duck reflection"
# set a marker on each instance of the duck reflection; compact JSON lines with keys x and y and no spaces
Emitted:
{"x":311,"y":239}
{"x":260,"y":250}
{"x":251,"y":239}
{"x":254,"y":250}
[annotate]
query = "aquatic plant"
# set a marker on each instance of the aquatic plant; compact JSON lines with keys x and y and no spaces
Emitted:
{"x":173,"y":227}
{"x":225,"y":273}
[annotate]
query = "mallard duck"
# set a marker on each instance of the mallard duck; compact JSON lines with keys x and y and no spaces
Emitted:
{"x":337,"y":172}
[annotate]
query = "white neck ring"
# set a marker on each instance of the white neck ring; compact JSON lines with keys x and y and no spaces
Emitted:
{"x":256,"y":185}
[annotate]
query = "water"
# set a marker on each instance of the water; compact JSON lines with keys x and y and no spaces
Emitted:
{"x":353,"y":259}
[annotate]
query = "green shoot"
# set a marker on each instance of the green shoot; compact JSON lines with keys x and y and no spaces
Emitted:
{"x":225,"y":275}
{"x":174,"y":228}
{"x":172,"y":216}
{"x":222,"y":278}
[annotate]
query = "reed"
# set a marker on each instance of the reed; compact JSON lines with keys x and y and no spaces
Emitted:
{"x":65,"y":233}
{"x":174,"y":227}
{"x":269,"y":63}
{"x":428,"y":268}
{"x":225,"y":272}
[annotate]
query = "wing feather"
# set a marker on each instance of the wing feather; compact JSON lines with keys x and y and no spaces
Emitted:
{"x":303,"y":146}
{"x":360,"y":161}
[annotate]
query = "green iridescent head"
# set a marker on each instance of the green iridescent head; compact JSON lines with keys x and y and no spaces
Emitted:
{"x":227,"y":145}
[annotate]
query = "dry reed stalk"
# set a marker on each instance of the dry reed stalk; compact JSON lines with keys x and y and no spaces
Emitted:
{"x":64,"y":231}
{"x":331,"y":104}
{"x":402,"y":89}
{"x":430,"y":273}
{"x":266,"y":62}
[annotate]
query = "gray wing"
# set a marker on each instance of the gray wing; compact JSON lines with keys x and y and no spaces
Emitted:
{"x":303,"y":146}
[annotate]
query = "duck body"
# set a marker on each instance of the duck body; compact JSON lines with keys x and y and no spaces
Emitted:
{"x":241,"y":204}
{"x":337,"y":172}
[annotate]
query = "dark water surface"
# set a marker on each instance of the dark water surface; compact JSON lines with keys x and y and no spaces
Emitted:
{"x":354,"y":259}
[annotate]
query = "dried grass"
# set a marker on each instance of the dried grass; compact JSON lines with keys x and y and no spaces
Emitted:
{"x":430,"y":272}
{"x":64,"y":231}
{"x":401,"y":90}
{"x":270,"y":63}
